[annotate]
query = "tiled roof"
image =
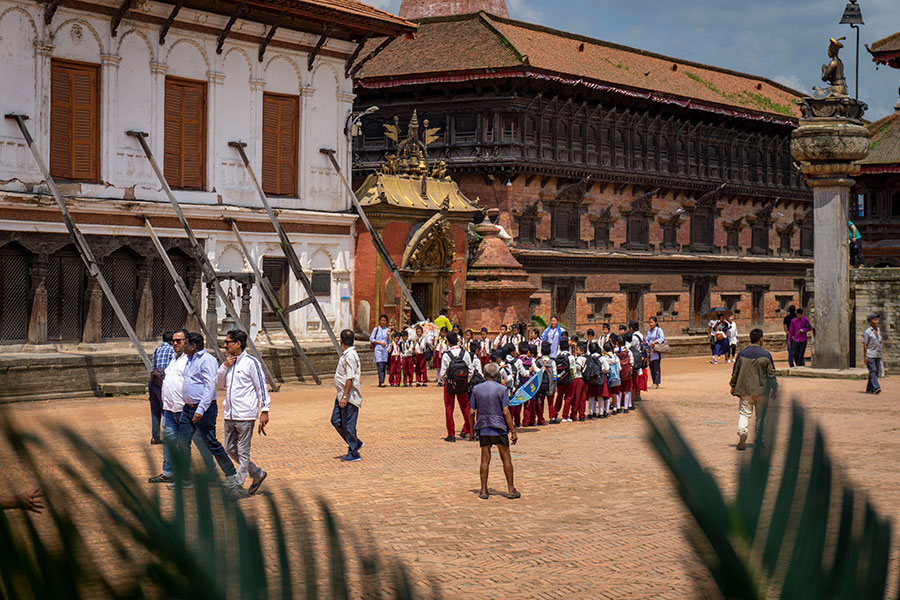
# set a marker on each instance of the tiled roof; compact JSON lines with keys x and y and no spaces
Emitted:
{"x":483,"y":45}
{"x":886,"y":51}
{"x":885,"y":141}
{"x":889,"y":44}
{"x":348,"y":13}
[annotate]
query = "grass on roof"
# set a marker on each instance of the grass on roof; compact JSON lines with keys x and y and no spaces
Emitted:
{"x":746,"y":98}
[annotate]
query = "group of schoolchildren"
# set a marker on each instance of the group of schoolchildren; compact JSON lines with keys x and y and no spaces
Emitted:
{"x":591,"y":378}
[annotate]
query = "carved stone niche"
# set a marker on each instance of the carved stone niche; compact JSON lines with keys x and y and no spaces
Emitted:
{"x":785,"y":234}
{"x":566,"y":209}
{"x":760,"y":224}
{"x":638,"y":217}
{"x":528,"y":219}
{"x":733,"y":230}
{"x":702,"y":213}
{"x":602,"y":223}
{"x":670,"y":225}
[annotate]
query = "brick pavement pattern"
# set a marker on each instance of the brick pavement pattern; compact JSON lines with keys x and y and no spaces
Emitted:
{"x":598,"y":517}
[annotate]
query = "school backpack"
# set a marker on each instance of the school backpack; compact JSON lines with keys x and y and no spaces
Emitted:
{"x":546,"y":380}
{"x":563,"y":370}
{"x":613,"y":377}
{"x":475,"y":380}
{"x":624,"y":364}
{"x":457,"y":373}
{"x":636,"y":358}
{"x":429,"y":354}
{"x":646,"y":350}
{"x":592,"y":369}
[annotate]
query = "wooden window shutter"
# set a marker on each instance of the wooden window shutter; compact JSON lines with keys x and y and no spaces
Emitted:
{"x":280,"y":153}
{"x":184,"y":160}
{"x":74,"y":121}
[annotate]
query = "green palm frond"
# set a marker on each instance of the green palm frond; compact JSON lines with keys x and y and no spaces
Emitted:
{"x":540,"y":321}
{"x":105,"y":537}
{"x":804,"y":535}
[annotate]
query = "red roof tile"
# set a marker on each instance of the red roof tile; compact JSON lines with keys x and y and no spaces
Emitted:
{"x":487,"y":46}
{"x":348,"y":13}
{"x":885,"y":141}
{"x":886,"y":51}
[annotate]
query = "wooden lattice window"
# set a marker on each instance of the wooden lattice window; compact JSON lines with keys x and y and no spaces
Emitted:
{"x":74,"y":120}
{"x":184,"y":161}
{"x":280,"y":144}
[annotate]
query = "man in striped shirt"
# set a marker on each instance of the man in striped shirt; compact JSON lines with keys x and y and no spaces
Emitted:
{"x":162,"y":356}
{"x":246,"y":398}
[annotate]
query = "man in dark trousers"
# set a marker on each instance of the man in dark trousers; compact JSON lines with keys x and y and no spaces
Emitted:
{"x":752,"y":380}
{"x":347,"y":402}
{"x":495,"y":427}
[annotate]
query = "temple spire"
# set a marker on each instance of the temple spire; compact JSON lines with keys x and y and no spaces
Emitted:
{"x":422,"y":9}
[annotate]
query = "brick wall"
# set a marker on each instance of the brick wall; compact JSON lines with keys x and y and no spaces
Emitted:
{"x":876,"y":291}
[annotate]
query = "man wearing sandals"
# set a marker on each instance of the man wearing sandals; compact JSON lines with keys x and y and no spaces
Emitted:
{"x":494,"y":426}
{"x":246,"y":399}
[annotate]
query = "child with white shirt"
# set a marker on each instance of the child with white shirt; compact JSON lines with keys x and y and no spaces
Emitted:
{"x":407,"y":351}
{"x":395,"y":360}
{"x":420,"y":346}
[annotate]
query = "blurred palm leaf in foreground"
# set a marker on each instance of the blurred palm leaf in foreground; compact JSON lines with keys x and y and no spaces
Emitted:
{"x":807,"y":535}
{"x":105,"y":537}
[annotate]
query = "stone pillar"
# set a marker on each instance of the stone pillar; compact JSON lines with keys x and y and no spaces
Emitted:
{"x":830,"y":138}
{"x":93,"y":321}
{"x":37,"y":323}
{"x":212,"y":317}
{"x":246,"y":289}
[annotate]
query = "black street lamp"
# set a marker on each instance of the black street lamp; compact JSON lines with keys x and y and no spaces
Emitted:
{"x":853,"y":18}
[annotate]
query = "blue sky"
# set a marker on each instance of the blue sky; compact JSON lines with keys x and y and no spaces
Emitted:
{"x":784,"y":40}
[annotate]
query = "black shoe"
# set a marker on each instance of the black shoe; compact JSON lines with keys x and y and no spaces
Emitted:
{"x":155,"y":441}
{"x":161,"y":478}
{"x":626,"y":411}
{"x":464,"y":436}
{"x":581,"y":420}
{"x":449,"y":438}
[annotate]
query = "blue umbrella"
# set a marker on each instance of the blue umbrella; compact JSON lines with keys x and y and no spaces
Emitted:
{"x":528,"y":390}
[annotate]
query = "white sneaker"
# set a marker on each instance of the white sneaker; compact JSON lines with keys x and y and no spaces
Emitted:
{"x":567,"y":420}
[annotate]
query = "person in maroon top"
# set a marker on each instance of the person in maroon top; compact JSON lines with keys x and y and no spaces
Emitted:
{"x":798,"y":333}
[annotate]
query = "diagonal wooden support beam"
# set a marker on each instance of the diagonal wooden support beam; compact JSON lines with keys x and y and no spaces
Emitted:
{"x":50,"y":10}
{"x":265,"y":43}
{"x":355,"y":55}
{"x":171,"y":19}
{"x":371,"y":55}
{"x":117,"y":18}
{"x":315,"y":51}
{"x":240,"y":11}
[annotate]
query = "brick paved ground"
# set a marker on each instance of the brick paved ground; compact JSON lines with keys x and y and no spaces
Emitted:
{"x":598,"y":517}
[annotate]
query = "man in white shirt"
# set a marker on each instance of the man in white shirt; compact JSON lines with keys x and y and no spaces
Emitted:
{"x":172,"y":402}
{"x":348,"y":383}
{"x":246,"y":398}
{"x":456,"y":368}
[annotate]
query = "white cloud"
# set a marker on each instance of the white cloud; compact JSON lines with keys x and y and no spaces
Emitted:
{"x":523,"y":10}
{"x":392,"y":6}
{"x":792,"y":81}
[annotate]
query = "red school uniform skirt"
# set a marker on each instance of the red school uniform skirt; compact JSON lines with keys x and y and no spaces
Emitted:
{"x":626,"y":385}
{"x":641,"y":381}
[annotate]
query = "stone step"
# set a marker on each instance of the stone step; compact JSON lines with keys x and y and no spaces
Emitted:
{"x":122,"y":388}
{"x":853,"y":373}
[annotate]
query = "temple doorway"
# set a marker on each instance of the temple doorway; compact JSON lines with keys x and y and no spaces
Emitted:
{"x":421,"y":293}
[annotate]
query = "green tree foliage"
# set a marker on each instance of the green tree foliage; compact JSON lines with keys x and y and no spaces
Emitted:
{"x":807,"y":534}
{"x":103,"y":536}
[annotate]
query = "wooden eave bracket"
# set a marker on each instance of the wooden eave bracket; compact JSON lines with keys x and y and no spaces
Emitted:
{"x":371,"y":55}
{"x":240,"y":11}
{"x":50,"y":10}
{"x":265,"y":43}
{"x":355,"y":55}
{"x":315,"y":51}
{"x":169,"y":20}
{"x":117,"y":18}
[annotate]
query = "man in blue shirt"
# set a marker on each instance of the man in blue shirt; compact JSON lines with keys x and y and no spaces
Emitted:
{"x":552,"y":334}
{"x":162,"y":356}
{"x":494,"y":426}
{"x":380,"y":339}
{"x":200,"y":408}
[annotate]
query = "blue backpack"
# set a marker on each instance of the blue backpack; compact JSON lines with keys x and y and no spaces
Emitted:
{"x":612,"y":378}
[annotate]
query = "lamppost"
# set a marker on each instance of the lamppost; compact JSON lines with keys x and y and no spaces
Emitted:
{"x":853,"y":18}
